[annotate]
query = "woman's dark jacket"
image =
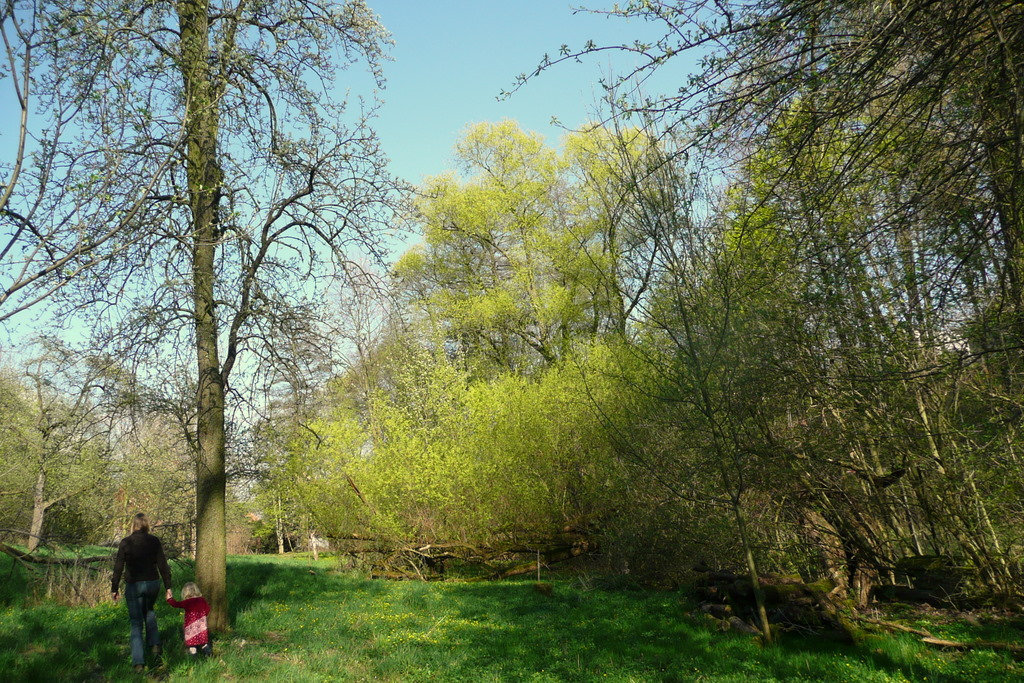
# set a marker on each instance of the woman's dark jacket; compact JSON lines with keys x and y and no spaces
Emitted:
{"x":142,"y":555}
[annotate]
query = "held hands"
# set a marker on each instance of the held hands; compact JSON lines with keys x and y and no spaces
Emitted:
{"x":115,"y":595}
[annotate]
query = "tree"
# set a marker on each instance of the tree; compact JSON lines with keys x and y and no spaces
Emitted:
{"x":870,"y":157}
{"x":876,"y":338}
{"x":59,"y":431}
{"x":533,"y":251}
{"x":17,"y":442}
{"x":269,"y":187}
{"x":154,"y":470}
{"x":697,"y":337}
{"x":314,"y":203}
{"x":941,"y":77}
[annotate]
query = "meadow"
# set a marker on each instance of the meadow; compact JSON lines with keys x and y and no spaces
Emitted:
{"x":299,"y":620}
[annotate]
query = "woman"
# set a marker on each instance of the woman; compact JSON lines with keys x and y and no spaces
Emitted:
{"x":141,"y":557}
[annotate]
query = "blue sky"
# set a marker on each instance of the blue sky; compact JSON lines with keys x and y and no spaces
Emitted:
{"x":452,"y":58}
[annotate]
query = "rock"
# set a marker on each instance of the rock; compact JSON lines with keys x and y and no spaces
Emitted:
{"x":935,"y":574}
{"x":737,"y":624}
{"x":898,"y":593}
{"x":717,"y":611}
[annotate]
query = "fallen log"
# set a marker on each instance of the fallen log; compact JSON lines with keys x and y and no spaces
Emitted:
{"x":737,"y":624}
{"x":792,"y":604}
{"x":37,"y":559}
{"x":893,"y":627}
{"x":898,"y":593}
{"x":1015,"y":650}
{"x":929,"y":639}
{"x":712,"y":576}
{"x":429,"y":561}
{"x":717,"y":611}
{"x":561,"y":556}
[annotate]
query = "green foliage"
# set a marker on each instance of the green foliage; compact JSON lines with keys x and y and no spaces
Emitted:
{"x":68,"y":433}
{"x":525,"y":256}
{"x":18,"y":441}
{"x":447,"y":458}
{"x":579,"y":342}
{"x":485,"y":419}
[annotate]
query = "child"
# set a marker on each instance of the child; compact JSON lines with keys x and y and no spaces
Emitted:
{"x":197,"y":636}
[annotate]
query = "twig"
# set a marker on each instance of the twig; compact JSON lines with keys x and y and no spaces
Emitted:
{"x":409,"y":560}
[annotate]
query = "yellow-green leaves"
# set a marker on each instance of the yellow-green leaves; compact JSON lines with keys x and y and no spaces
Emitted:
{"x":522,"y":251}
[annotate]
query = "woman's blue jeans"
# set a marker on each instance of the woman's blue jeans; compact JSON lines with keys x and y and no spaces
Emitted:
{"x":140,"y":596}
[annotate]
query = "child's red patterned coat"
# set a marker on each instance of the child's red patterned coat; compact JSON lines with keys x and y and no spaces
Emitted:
{"x":196,"y":609}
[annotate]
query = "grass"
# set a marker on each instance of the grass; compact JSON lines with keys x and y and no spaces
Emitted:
{"x":298,"y":620}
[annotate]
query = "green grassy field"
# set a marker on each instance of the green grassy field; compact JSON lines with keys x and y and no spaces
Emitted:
{"x":296,"y":621}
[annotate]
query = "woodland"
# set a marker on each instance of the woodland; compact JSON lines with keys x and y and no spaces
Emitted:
{"x":759,"y":338}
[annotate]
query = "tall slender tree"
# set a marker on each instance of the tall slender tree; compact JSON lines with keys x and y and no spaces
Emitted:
{"x":275,"y":185}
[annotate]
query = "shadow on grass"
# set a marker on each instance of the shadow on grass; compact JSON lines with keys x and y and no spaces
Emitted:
{"x":582,"y":636}
{"x":50,"y":643}
{"x":570,"y":636}
{"x":255,"y":579}
{"x":13,"y":582}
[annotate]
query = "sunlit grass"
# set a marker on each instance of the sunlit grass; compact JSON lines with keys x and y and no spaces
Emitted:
{"x":296,"y":620}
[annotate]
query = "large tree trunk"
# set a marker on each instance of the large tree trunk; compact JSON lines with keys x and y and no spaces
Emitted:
{"x":204,"y":186}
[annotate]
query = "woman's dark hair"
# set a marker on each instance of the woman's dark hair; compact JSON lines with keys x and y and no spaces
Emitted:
{"x":140,"y":522}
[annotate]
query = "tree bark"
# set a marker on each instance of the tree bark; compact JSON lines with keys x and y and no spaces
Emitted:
{"x":204,"y":188}
{"x":279,"y":528}
{"x":35,"y":532}
{"x":755,"y":579}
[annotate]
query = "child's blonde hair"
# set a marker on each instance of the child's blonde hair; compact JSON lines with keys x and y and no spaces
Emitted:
{"x":190,"y":590}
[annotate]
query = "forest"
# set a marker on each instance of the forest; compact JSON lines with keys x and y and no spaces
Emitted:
{"x":758,"y":339}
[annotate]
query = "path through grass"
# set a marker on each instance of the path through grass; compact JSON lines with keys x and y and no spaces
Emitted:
{"x":294,"y":621}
